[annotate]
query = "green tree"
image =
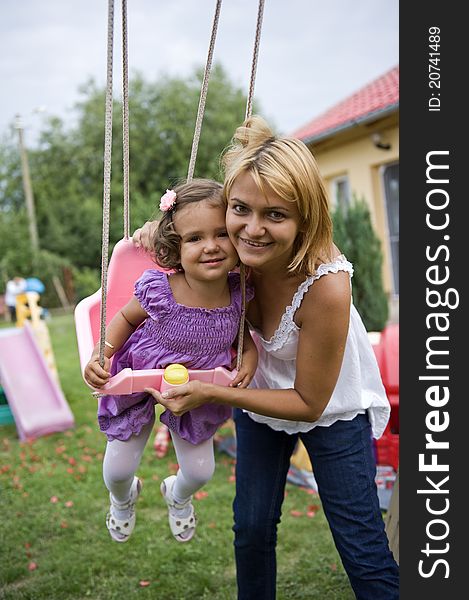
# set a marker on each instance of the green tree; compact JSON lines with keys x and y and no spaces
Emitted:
{"x":354,"y":235}
{"x":67,"y":167}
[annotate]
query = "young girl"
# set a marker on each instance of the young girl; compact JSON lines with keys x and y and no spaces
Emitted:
{"x":317,"y":379}
{"x":190,"y":317}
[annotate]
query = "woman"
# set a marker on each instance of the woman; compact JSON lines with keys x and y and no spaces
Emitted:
{"x":317,"y":377}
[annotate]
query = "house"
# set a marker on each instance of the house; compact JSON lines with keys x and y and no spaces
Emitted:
{"x":356,"y":145}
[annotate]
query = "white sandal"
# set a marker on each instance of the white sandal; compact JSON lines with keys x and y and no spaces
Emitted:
{"x":178,"y":525}
{"x":121,"y":529}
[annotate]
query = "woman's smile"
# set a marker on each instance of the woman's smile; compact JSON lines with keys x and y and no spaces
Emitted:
{"x":262,"y":225}
{"x":253,"y":243}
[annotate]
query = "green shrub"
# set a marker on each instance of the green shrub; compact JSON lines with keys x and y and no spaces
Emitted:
{"x":354,"y":235}
{"x":86,"y":281}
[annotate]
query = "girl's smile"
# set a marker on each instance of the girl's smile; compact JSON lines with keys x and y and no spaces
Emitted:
{"x":206,"y":249}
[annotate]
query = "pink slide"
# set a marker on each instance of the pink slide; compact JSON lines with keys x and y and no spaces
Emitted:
{"x":36,"y":401}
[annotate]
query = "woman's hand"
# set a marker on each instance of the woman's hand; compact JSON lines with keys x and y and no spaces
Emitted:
{"x":95,"y":375}
{"x":143,"y":236}
{"x":183,"y":398}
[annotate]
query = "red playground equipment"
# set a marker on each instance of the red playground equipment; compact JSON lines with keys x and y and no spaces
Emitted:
{"x":387,"y":355}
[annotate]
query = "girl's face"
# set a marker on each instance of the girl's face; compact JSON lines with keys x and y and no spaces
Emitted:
{"x":262,"y":228}
{"x":206,"y":250}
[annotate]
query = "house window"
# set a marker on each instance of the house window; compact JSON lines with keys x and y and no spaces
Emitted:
{"x":391,"y":194}
{"x":340,"y":189}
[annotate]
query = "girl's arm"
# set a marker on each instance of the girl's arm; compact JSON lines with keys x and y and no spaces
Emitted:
{"x":324,"y":319}
{"x":248,"y":363}
{"x":120,"y":328}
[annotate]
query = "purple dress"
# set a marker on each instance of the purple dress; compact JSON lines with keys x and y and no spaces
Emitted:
{"x":199,"y":338}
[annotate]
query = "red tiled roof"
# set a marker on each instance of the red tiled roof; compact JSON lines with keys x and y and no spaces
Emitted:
{"x":380,"y":95}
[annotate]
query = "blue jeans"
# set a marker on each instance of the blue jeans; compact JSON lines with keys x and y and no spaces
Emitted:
{"x":344,"y":468}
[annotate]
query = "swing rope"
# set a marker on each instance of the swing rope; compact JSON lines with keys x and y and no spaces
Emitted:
{"x":242,"y":268}
{"x":125,"y":141}
{"x":107,"y":179}
{"x":125,"y":120}
{"x":203,"y":94}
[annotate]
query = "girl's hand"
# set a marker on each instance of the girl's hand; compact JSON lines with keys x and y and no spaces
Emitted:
{"x":244,"y":376}
{"x":142,"y":237}
{"x":248,"y":368}
{"x":182,"y":398}
{"x":95,"y":375}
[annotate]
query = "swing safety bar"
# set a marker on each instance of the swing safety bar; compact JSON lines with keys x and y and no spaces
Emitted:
{"x":128,"y":381}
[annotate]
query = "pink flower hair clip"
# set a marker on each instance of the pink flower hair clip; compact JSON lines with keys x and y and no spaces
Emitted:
{"x":168,"y":200}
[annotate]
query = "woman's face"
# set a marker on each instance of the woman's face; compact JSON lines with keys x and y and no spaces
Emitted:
{"x":263,"y":228}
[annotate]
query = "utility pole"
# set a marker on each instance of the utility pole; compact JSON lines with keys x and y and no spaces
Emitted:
{"x":28,"y":190}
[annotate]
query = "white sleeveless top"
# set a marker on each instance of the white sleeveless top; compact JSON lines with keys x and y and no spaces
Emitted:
{"x":359,"y":388}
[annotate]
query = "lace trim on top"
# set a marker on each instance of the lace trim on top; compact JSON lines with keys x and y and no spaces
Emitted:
{"x":286,"y":322}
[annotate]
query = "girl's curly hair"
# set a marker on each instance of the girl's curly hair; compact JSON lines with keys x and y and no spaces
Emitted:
{"x":166,"y":241}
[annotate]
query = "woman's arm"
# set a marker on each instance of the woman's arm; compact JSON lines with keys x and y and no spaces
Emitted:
{"x":323,"y":318}
{"x":120,"y":328}
{"x":142,"y":237}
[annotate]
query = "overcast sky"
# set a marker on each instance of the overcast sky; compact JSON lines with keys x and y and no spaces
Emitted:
{"x":313,"y":53}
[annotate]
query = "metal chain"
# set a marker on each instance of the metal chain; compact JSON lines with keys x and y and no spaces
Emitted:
{"x":125,"y":120}
{"x":242,"y":269}
{"x":203,"y":93}
{"x":107,"y":179}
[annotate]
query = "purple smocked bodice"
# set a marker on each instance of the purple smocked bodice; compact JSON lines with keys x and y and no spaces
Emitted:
{"x":198,"y":338}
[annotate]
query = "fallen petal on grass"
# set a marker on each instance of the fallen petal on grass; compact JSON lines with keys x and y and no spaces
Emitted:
{"x":296,"y":513}
{"x":54,"y":499}
{"x":32,"y":566}
{"x":144,"y":583}
{"x":200,"y":494}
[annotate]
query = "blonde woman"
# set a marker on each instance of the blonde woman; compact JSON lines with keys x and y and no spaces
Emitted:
{"x":317,"y":377}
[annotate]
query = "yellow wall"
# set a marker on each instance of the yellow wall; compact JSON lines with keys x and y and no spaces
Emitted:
{"x":360,"y":160}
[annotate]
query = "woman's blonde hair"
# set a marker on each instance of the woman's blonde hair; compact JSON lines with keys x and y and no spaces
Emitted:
{"x":287,"y":167}
{"x":166,"y":241}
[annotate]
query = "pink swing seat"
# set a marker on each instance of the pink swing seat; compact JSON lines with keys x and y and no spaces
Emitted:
{"x":126,"y":265}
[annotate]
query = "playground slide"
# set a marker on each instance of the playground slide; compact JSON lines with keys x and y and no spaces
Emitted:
{"x":36,"y":401}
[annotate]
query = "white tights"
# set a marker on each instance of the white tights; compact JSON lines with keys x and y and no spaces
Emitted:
{"x":121,"y":461}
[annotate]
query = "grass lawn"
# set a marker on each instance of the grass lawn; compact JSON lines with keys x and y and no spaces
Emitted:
{"x":55,"y":546}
